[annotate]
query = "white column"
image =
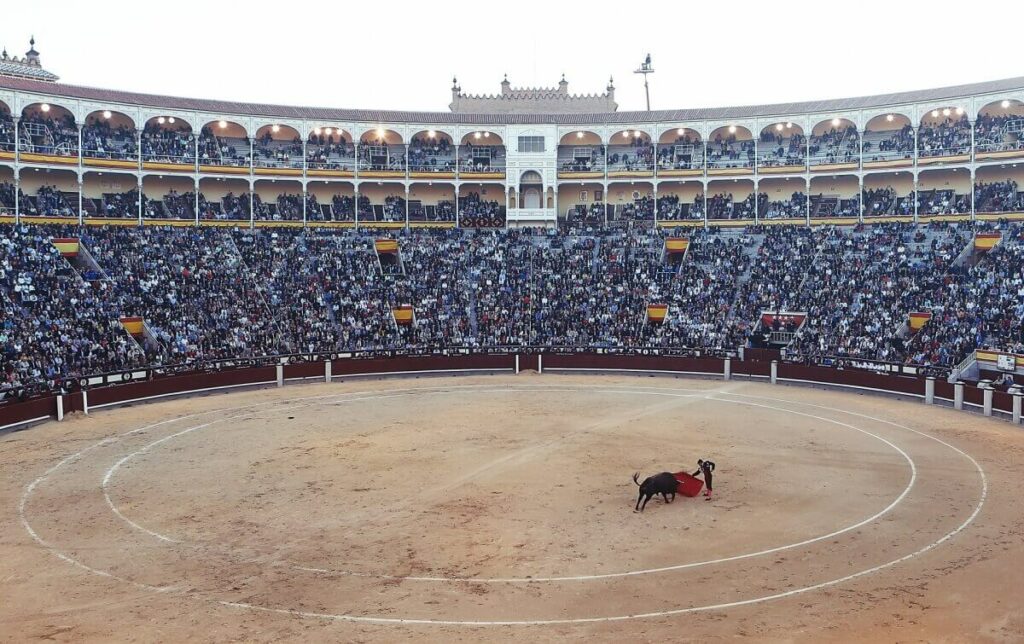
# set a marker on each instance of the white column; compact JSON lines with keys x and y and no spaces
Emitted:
{"x":540,"y":363}
{"x":85,"y":402}
{"x":958,"y":396}
{"x":929,"y":390}
{"x":1016,"y":393}
{"x":280,"y":375}
{"x":727,"y":369}
{"x":17,"y":190}
{"x":987,"y":401}
{"x":327,"y":370}
{"x":517,"y":363}
{"x":81,"y":184}
{"x":60,"y":407}
{"x":775,"y":371}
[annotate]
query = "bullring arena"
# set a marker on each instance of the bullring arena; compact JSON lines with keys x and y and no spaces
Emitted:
{"x":500,"y":507}
{"x":283,"y":373}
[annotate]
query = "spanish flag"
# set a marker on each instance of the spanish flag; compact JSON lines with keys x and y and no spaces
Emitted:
{"x":919,"y":319}
{"x":656,"y":313}
{"x":132,"y":325}
{"x":986,"y":241}
{"x":68,"y":246}
{"x":386,"y":246}
{"x":403,"y":314}
{"x":676,"y":244}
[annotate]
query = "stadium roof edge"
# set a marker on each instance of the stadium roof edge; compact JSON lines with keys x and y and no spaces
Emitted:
{"x":76,"y":92}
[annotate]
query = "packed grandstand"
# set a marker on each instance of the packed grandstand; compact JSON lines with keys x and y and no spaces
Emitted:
{"x":143,"y":230}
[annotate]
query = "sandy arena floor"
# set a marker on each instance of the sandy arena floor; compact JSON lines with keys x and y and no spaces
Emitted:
{"x":501,"y":508}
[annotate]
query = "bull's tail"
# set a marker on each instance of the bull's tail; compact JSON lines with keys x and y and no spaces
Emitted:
{"x":636,"y":478}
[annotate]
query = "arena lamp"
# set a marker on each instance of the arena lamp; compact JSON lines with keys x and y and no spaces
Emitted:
{"x":889,"y":117}
{"x":328,"y":131}
{"x":835,"y":122}
{"x":45,"y":107}
{"x":431,"y":133}
{"x":317,"y":131}
{"x":945,"y":112}
{"x":732,"y":129}
{"x":626,"y":134}
{"x":935,"y":113}
{"x":959,"y":111}
{"x":170,"y":120}
{"x":380,"y":132}
{"x":636,"y":134}
{"x":275,"y":128}
{"x":681,"y":131}
{"x":778,"y":127}
{"x":789,"y":126}
{"x":222,"y":124}
{"x":476,"y":135}
{"x":161,"y":120}
{"x":1005,"y":104}
{"x":106,"y":114}
{"x":487,"y":135}
{"x":579,"y":135}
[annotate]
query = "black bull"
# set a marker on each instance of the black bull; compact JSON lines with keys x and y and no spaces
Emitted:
{"x":663,"y":484}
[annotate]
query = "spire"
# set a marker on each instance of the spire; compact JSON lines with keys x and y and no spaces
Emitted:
{"x":563,"y":85}
{"x":455,"y":84}
{"x":32,"y":55}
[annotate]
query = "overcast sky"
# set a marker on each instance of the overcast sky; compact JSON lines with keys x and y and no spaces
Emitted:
{"x":402,"y":55}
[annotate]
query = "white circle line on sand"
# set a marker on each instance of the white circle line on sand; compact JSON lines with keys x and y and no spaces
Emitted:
{"x":565,"y":578}
{"x":568,"y":621}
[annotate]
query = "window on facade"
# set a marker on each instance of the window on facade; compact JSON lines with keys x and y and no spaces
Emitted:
{"x":531,"y":144}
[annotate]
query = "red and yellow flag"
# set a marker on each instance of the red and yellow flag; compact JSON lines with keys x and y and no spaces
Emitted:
{"x":656,"y":313}
{"x":68,"y":246}
{"x":986,"y":241}
{"x":386,"y":245}
{"x":919,"y":319}
{"x":403,"y":314}
{"x":677,"y":244}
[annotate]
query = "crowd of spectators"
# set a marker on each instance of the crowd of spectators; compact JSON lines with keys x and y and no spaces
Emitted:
{"x":998,"y":196}
{"x":481,"y":158}
{"x":636,"y":156}
{"x":431,"y":155}
{"x":216,"y":293}
{"x":889,"y":145}
{"x":7,"y":131}
{"x":994,"y":133}
{"x":120,"y":204}
{"x":834,"y":146}
{"x":222,"y":150}
{"x":581,"y":158}
{"x":167,"y":145}
{"x":943,"y":202}
{"x":793,"y":208}
{"x":777,"y":149}
{"x":327,"y":152}
{"x":44,"y":135}
{"x":672,"y":208}
{"x":476,"y":212}
{"x":53,"y":324}
{"x":101,"y":141}
{"x":950,"y":137}
{"x":730,"y":152}
{"x":886,"y":201}
{"x":269,"y":152}
{"x":685,"y":153}
{"x":380,"y":156}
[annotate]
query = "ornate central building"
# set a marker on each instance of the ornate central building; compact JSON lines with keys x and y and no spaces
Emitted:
{"x":533,"y":100}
